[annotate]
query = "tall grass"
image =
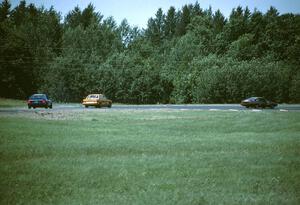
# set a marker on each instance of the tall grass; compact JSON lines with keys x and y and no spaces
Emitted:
{"x":152,"y":157}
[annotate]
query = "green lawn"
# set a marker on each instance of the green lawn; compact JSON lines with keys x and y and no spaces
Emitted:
{"x":151,"y":157}
{"x":4,"y":102}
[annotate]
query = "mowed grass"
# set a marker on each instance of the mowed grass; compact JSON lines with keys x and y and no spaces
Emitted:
{"x":152,"y":157}
{"x":5,"y":103}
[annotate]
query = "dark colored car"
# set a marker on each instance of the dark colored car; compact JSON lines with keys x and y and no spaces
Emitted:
{"x":39,"y":100}
{"x":258,"y":102}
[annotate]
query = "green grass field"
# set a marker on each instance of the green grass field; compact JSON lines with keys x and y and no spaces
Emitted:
{"x":4,"y":102}
{"x":151,"y":157}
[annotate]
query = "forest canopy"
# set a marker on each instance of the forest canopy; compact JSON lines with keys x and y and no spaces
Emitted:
{"x":184,"y":55}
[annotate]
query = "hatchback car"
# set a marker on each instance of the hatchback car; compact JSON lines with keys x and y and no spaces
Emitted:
{"x":97,"y":100}
{"x":39,"y":100}
{"x":258,"y":102}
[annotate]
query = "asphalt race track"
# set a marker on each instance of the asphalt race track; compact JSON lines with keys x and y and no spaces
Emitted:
{"x":211,"y":107}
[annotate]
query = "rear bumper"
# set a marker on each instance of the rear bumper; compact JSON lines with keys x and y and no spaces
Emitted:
{"x":38,"y":105}
{"x":90,"y":103}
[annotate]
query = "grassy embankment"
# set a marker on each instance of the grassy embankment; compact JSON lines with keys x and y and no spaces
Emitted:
{"x":151,"y":157}
{"x":5,"y":103}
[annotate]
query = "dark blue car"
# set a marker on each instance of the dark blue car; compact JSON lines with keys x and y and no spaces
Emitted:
{"x":39,"y":100}
{"x":258,"y":102}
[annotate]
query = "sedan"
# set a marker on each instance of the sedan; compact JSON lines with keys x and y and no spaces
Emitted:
{"x":39,"y":100}
{"x":97,"y":100}
{"x":258,"y":102}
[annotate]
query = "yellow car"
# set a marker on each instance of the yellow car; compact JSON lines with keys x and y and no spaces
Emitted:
{"x":97,"y":100}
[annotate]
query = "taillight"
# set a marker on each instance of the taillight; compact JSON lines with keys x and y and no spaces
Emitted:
{"x":29,"y":101}
{"x":43,"y":101}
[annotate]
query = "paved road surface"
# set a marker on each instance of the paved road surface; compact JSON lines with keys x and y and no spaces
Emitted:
{"x":230,"y":107}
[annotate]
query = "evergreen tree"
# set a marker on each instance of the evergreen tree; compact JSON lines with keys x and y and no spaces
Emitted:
{"x":170,"y":23}
{"x":4,"y":10}
{"x":185,"y":56}
{"x":184,"y":20}
{"x":156,"y":28}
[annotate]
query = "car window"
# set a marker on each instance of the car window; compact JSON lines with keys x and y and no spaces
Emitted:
{"x":102,"y":97}
{"x":38,"y":96}
{"x":93,"y":97}
{"x":261,"y":100}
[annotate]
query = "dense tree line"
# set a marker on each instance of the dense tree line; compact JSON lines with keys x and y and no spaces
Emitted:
{"x":188,"y":55}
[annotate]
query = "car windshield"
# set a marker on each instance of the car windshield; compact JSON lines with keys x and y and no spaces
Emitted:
{"x":102,"y":97}
{"x":252,"y":99}
{"x":38,"y":96}
{"x":261,"y":99}
{"x":93,"y":96}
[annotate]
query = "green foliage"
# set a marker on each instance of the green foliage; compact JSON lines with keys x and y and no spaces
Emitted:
{"x":184,"y":20}
{"x":4,"y":10}
{"x":243,"y":48}
{"x":155,"y":30}
{"x":84,"y":18}
{"x":188,"y":55}
{"x":226,"y":80}
{"x":170,"y":23}
{"x":295,"y":87}
{"x":29,"y":40}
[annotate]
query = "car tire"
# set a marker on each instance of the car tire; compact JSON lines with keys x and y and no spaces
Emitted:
{"x":50,"y":106}
{"x":34,"y":107}
{"x":29,"y":107}
{"x":109,"y":106}
{"x":86,"y":106}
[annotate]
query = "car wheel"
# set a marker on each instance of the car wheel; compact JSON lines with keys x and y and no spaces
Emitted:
{"x":34,"y":107}
{"x":29,"y":107}
{"x":109,"y":106}
{"x":86,"y":106}
{"x":50,"y":106}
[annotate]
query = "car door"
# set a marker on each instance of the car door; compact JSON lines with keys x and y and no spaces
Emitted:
{"x":262,"y":102}
{"x":104,"y":100}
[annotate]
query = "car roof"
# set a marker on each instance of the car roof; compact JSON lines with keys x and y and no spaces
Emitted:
{"x":95,"y":94}
{"x":38,"y":95}
{"x":255,"y":97}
